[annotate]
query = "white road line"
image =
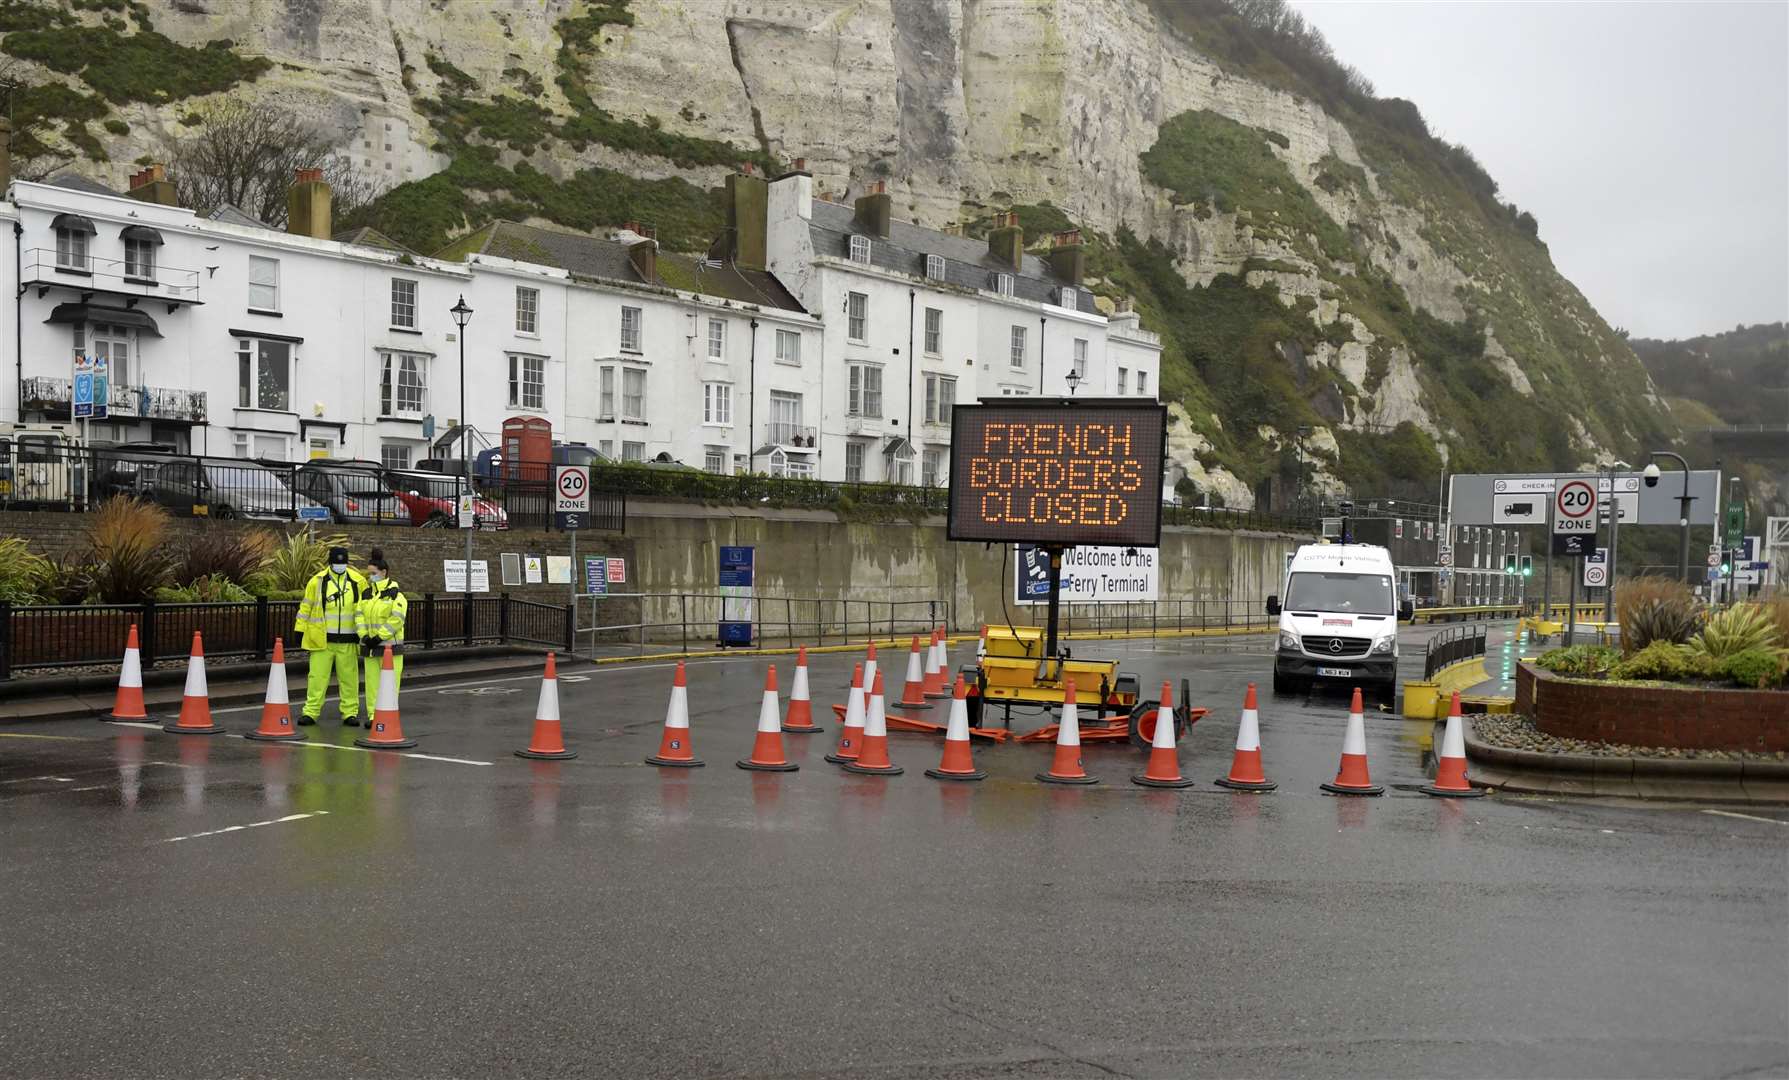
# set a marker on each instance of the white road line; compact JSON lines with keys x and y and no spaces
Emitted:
{"x":250,"y":825}
{"x":368,"y":750}
{"x":139,"y":724}
{"x":1748,"y":817}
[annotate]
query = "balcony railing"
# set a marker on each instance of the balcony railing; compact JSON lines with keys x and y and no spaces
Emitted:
{"x":779,"y":434}
{"x":166,"y":283}
{"x":54,"y":396}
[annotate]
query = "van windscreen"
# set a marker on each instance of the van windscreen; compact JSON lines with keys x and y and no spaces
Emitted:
{"x":1359,"y":594}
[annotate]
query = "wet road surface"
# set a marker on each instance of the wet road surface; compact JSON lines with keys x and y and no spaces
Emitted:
{"x":188,"y":906}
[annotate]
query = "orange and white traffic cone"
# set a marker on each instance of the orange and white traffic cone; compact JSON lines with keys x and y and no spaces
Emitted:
{"x":937,"y":685}
{"x":851,"y":736}
{"x":874,"y":756}
{"x":913,"y":694}
{"x":959,"y":761}
{"x":1245,"y":767}
{"x":675,"y":750}
{"x":128,"y":704}
{"x":386,"y":732}
{"x":1164,"y":758}
{"x":195,"y":704}
{"x":276,"y":710}
{"x":1352,"y":777}
{"x":767,"y":748}
{"x":1450,"y":767}
{"x":548,"y":741}
{"x":800,"y":718}
{"x":944,"y":679}
{"x":869,"y":669}
{"x":1066,"y":768}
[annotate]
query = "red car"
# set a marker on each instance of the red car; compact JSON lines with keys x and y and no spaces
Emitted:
{"x":432,"y":500}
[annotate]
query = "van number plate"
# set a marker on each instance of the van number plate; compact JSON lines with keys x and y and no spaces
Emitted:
{"x":1339,"y":672}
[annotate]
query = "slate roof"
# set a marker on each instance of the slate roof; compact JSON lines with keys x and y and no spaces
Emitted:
{"x":74,"y":181}
{"x":367,"y":236}
{"x":229,"y":215}
{"x":967,"y":262}
{"x":607,"y":260}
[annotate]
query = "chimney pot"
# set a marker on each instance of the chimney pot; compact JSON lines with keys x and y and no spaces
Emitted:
{"x":745,"y":167}
{"x":801,"y":164}
{"x":151,"y":184}
{"x":880,"y":187}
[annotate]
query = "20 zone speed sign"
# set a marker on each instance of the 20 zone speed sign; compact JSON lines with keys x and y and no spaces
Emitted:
{"x":571,"y":489}
{"x":1574,"y":507}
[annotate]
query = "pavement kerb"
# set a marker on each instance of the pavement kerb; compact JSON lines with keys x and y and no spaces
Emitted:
{"x":1643,"y":777}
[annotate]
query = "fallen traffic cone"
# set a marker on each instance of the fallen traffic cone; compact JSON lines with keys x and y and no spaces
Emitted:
{"x":195,"y":704}
{"x":1245,"y":767}
{"x":937,"y":675}
{"x":851,"y":735}
{"x":386,"y":732}
{"x":1450,"y":767}
{"x":767,"y":748}
{"x":1066,"y":769}
{"x":128,"y":704}
{"x":548,"y":741}
{"x":1352,"y":778}
{"x":674,"y":747}
{"x":874,"y":756}
{"x":1164,"y":758}
{"x":800,"y":719}
{"x":958,"y":762}
{"x":276,"y":710}
{"x":913,"y":694}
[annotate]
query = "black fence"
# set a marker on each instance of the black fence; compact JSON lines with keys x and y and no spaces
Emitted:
{"x":1452,"y":645}
{"x":693,"y":619}
{"x":48,"y":638}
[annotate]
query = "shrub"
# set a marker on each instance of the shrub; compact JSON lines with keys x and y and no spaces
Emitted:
{"x":1758,"y":669}
{"x":1660,"y":660}
{"x":1740,"y":628}
{"x":21,"y":572}
{"x":68,"y":580}
{"x":1579,"y":660}
{"x":228,"y":555}
{"x":204,"y":590}
{"x":1778,"y":606}
{"x":127,"y":538}
{"x":292,"y":565}
{"x":1658,"y":621}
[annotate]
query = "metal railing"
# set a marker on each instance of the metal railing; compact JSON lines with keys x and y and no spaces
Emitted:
{"x":50,"y":638}
{"x":1451,"y":646}
{"x":1223,"y":517}
{"x":44,"y":266}
{"x":693,"y":619}
{"x":1153,"y":616}
{"x":54,"y":398}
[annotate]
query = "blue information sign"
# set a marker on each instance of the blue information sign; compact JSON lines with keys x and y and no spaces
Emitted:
{"x":596,"y":575}
{"x":736,"y":567}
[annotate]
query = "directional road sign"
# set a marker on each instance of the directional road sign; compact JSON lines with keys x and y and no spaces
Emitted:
{"x":1574,"y":508}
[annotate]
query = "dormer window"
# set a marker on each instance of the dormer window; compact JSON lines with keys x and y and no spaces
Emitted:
{"x":860,"y":250}
{"x":935,"y":267}
{"x":1070,"y":299}
{"x":1003,"y":284}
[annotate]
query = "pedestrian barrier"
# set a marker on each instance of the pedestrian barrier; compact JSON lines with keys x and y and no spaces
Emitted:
{"x":276,"y":710}
{"x":1352,"y":777}
{"x":958,"y":762}
{"x":800,"y":719}
{"x":1164,"y":757}
{"x":548,"y":741}
{"x":386,"y":731}
{"x":1245,"y":767}
{"x":1452,"y":660}
{"x":195,"y":702}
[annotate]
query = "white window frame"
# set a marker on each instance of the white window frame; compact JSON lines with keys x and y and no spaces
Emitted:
{"x":854,"y":459}
{"x":268,"y":281}
{"x":1018,"y":345}
{"x":527,"y":311}
{"x":73,"y":250}
{"x":793,"y":427}
{"x":1003,"y":284}
{"x":139,"y":260}
{"x":1123,"y":377}
{"x":249,"y":349}
{"x":633,"y":329}
{"x":931,"y":468}
{"x":941,"y":398}
{"x":860,"y":249}
{"x":717,"y":404}
{"x":714,"y":459}
{"x":1068,"y":299}
{"x":606,"y":447}
{"x":935,"y":267}
{"x":900,"y":466}
{"x":243,"y":445}
{"x":633,"y":406}
{"x":385,"y":449}
{"x":633,"y":450}
{"x":403,"y":309}
{"x":527,"y":372}
{"x":89,"y":337}
{"x":1079,"y":361}
{"x":717,"y":339}
{"x":788,"y":348}
{"x":392,"y":393}
{"x":1142,"y":381}
{"x":860,"y":399}
{"x":857,"y":316}
{"x":605,"y":401}
{"x":934,"y":331}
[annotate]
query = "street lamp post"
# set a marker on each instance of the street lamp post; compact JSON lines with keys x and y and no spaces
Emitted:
{"x":462,"y":314}
{"x":1614,"y":533}
{"x":1073,"y":378}
{"x":1683,"y":507}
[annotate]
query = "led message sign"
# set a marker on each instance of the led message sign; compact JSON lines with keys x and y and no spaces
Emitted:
{"x":1057,"y":472}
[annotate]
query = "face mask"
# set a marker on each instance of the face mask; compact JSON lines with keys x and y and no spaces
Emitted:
{"x":374,"y":575}
{"x":338,"y":568}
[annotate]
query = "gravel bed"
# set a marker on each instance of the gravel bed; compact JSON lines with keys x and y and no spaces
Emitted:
{"x":1517,"y":732}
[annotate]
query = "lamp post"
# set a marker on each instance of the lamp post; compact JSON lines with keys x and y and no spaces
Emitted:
{"x":462,"y":314}
{"x":1614,"y":533}
{"x":1683,"y":507}
{"x":1073,"y":378}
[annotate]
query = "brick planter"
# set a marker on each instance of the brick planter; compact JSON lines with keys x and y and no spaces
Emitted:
{"x":1688,"y":718}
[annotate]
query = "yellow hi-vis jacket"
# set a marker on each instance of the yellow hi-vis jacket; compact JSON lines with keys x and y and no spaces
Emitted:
{"x":383,"y":609}
{"x":331,"y":606}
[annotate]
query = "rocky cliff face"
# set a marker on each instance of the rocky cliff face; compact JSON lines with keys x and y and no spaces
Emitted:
{"x":1307,"y":266}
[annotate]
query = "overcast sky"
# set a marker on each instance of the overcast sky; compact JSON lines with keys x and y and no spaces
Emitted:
{"x":1650,"y":139}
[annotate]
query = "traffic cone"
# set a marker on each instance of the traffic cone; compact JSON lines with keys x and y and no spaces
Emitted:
{"x":276,"y":711}
{"x":958,"y":762}
{"x":675,"y":749}
{"x":851,"y":736}
{"x":800,"y":719}
{"x":386,"y":732}
{"x":981,"y":647}
{"x":195,"y":704}
{"x":1164,"y":758}
{"x":548,"y":741}
{"x":1245,"y":767}
{"x":128,"y":705}
{"x":874,"y":756}
{"x":944,"y":680}
{"x":1066,"y":768}
{"x":913,"y":694}
{"x":1450,"y":767}
{"x":1352,"y":778}
{"x":767,"y":748}
{"x":869,"y":669}
{"x":937,"y":683}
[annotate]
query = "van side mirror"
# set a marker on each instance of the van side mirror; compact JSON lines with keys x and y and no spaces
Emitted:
{"x":1273,"y":604}
{"x":1406,"y":611}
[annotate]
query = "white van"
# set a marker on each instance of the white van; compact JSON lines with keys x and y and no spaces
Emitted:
{"x":1339,"y":619}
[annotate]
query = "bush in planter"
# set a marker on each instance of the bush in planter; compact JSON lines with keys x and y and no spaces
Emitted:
{"x":22,"y":572}
{"x":1579,"y":660}
{"x":1741,"y":628}
{"x":1757,"y":669}
{"x":204,"y":590}
{"x":292,"y":564}
{"x":227,"y":555}
{"x":1669,"y":621}
{"x":1660,"y":660}
{"x":131,"y":559}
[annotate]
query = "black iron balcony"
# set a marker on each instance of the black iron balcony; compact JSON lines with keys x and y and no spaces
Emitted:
{"x":53,"y":398}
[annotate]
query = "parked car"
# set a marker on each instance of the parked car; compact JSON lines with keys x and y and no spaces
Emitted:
{"x":229,"y":488}
{"x":432,"y":500}
{"x":356,"y":492}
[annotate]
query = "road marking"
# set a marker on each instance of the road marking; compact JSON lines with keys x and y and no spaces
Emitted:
{"x":250,"y":825}
{"x":369,"y":750}
{"x":1748,"y":817}
{"x":454,"y":760}
{"x":57,"y":738}
{"x":141,"y":724}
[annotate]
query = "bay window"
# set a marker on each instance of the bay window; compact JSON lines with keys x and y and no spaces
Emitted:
{"x":263,"y":374}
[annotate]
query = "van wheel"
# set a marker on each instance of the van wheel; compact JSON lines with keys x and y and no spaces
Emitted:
{"x":1282,"y":684}
{"x":223,"y":513}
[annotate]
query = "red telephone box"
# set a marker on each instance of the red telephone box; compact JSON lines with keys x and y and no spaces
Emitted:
{"x":527,"y":448}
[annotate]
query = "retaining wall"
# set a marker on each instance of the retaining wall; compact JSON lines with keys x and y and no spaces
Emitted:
{"x":1687,"y":718}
